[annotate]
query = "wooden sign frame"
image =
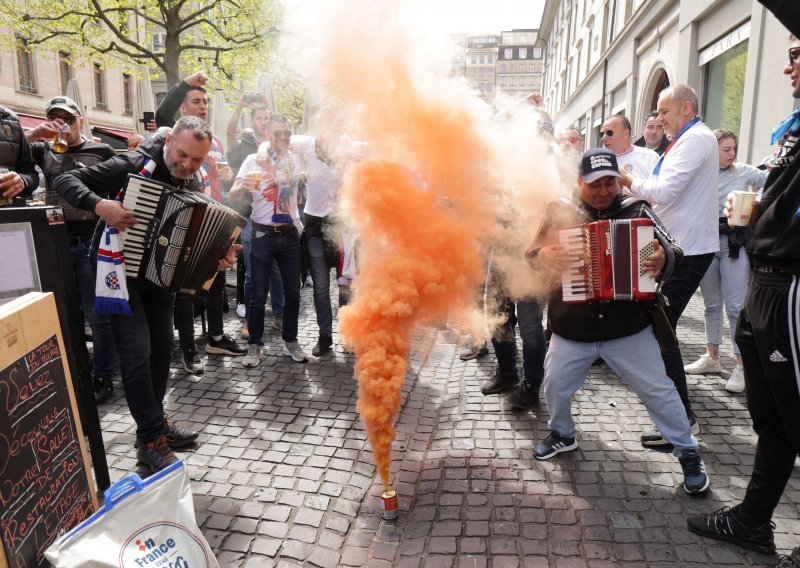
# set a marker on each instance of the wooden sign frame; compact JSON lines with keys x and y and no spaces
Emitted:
{"x":35,"y":378}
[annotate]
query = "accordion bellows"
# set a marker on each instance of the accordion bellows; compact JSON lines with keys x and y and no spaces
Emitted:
{"x":180,"y":236}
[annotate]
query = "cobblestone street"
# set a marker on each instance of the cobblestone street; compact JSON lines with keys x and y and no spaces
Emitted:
{"x":283,"y":475}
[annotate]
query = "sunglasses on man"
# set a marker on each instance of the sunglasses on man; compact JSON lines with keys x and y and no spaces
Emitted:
{"x":609,"y":133}
{"x":794,"y":53}
{"x":66,"y":119}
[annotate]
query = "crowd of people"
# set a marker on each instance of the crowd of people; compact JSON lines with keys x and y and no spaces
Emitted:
{"x":678,"y":175}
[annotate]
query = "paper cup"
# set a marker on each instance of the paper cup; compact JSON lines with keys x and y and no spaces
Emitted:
{"x":742,"y":208}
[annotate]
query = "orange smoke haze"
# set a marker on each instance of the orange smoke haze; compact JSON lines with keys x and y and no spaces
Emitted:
{"x":426,"y":201}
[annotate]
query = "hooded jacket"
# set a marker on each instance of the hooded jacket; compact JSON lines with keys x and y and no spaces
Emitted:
{"x":15,"y":151}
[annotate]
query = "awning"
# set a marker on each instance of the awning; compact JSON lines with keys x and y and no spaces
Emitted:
{"x":117,"y":139}
{"x":29,"y":122}
{"x":121,"y":134}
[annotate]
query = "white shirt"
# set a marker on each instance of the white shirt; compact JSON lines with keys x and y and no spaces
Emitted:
{"x":684,"y":194}
{"x":264,"y":201}
{"x":638,"y":161}
{"x":323,"y":180}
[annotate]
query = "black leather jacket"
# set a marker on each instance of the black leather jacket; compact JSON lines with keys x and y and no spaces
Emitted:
{"x":15,"y":151}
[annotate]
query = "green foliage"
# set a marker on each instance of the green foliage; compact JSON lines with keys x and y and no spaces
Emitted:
{"x":228,"y":39}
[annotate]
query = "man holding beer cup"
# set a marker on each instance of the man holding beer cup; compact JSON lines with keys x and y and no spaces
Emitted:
{"x":768,"y":335}
{"x":64,"y":125}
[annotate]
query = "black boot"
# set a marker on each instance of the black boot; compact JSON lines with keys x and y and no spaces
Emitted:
{"x":103,"y":389}
{"x":500,"y":382}
{"x":524,"y":397}
{"x":323,"y":345}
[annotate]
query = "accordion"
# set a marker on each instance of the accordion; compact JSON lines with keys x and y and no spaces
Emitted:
{"x":606,"y":259}
{"x":180,"y":236}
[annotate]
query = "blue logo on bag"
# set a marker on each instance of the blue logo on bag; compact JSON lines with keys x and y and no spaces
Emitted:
{"x":163,"y":545}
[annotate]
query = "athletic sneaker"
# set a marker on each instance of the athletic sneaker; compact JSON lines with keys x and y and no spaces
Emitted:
{"x":296,"y":352}
{"x":245,"y":333}
{"x":695,"y":480}
{"x":791,"y":561}
{"x":524,"y":397}
{"x":735,"y":384}
{"x":226,"y":346}
{"x":724,"y":524}
{"x":193,"y":363}
{"x":277,"y":323}
{"x":654,"y":439}
{"x":554,"y":444}
{"x":705,"y":364}
{"x":255,"y":354}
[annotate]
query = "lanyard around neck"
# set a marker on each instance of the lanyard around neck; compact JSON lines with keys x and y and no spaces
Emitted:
{"x":687,"y":126}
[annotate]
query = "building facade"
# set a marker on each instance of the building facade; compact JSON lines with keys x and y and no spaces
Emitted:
{"x":614,"y":56}
{"x":511,"y":64}
{"x":479,"y":64}
{"x":520,"y":64}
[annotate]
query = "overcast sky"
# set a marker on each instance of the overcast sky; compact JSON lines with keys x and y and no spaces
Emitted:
{"x":457,"y":16}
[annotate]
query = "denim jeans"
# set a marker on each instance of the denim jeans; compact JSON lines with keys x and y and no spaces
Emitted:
{"x":267,"y":249}
{"x":725,"y":283}
{"x":275,"y":285}
{"x":184,"y":313}
{"x":321,"y":275}
{"x":636,"y":360}
{"x":678,"y":289}
{"x":144,"y":343}
{"x":84,"y":265}
{"x":528,"y":314}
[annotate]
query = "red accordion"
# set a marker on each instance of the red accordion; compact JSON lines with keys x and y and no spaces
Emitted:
{"x":606,"y":259}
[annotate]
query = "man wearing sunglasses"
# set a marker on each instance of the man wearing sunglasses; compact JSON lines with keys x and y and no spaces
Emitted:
{"x":275,"y":237}
{"x":768,"y":334}
{"x":683,"y":188}
{"x":616,"y":136}
{"x":64,"y":112}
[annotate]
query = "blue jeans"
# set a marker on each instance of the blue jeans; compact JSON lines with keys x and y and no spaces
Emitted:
{"x":321,"y":275}
{"x":144,"y":343}
{"x":85,"y":268}
{"x":636,"y":359}
{"x":678,"y":289}
{"x":275,"y":285}
{"x":528,"y":314}
{"x":284,"y":249}
{"x":725,"y":283}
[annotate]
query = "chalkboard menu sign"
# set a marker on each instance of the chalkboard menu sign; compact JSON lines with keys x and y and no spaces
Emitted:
{"x":45,"y":488}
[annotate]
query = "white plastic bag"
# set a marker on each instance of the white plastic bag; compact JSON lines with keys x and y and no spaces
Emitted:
{"x":143,"y":524}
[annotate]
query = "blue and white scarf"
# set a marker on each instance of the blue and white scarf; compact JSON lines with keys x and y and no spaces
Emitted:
{"x":111,"y":286}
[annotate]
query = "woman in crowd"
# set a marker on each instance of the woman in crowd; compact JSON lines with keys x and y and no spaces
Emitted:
{"x":726,"y":280}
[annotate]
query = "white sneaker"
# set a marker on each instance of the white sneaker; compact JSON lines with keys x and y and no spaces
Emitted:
{"x":255,"y":354}
{"x":296,"y":352}
{"x":240,"y":310}
{"x":705,"y":364}
{"x":735,"y":384}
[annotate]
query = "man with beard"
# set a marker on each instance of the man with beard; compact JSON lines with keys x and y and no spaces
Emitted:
{"x":144,"y":339}
{"x":189,"y":96}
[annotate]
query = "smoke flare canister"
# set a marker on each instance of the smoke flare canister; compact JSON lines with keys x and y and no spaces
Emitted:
{"x":389,"y":505}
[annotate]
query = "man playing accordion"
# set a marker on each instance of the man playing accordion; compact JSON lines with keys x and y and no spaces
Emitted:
{"x":619,"y":331}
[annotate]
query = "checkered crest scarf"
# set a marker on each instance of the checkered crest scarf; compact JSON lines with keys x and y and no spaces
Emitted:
{"x":111,"y":287}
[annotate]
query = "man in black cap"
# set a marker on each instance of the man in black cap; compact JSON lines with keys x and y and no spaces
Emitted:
{"x":63,"y":112}
{"x":619,"y":331}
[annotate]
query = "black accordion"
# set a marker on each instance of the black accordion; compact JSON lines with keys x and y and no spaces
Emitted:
{"x":180,"y":236}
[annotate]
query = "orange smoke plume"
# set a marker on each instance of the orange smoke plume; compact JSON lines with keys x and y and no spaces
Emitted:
{"x":426,"y":201}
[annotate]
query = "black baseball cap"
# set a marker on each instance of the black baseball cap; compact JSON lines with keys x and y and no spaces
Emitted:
{"x":597,"y":163}
{"x":64,"y":103}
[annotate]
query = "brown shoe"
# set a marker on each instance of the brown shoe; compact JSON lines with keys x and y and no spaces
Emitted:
{"x":156,"y":454}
